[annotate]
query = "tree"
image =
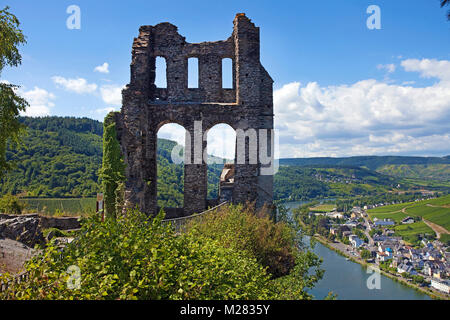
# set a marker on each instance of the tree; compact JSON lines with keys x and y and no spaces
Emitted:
{"x":10,"y":103}
{"x":365,"y":254}
{"x":10,"y":204}
{"x":446,"y":3}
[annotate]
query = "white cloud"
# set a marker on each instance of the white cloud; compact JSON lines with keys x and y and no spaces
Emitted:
{"x":78,"y":85}
{"x":174,"y":132}
{"x":221,"y":141}
{"x":390,"y":68}
{"x":367,"y":117}
{"x":112,"y":94}
{"x":40,"y":101}
{"x":429,"y":68}
{"x":102,"y":68}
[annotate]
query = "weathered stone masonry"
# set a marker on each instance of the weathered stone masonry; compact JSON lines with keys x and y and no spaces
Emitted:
{"x":249,"y":104}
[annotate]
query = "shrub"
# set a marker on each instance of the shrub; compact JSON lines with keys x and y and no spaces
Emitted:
{"x":134,"y":257}
{"x":10,"y":204}
{"x":276,"y":246}
{"x":271,"y":244}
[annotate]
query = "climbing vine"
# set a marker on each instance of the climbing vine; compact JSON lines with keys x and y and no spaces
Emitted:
{"x":112,"y":172}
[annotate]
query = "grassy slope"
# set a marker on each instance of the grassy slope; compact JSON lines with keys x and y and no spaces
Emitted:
{"x":419,"y":171}
{"x":434,"y":210}
{"x":67,"y":207}
{"x":323,"y":208}
{"x":409,"y":232}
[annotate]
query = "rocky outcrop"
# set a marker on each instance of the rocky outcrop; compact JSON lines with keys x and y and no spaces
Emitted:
{"x":13,"y":255}
{"x":61,"y":223}
{"x":23,"y":229}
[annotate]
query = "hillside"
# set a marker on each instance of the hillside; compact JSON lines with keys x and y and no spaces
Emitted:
{"x":433,"y":168}
{"x":427,"y":212}
{"x":61,"y":158}
{"x":371,"y":162}
{"x":307,"y":182}
{"x":436,"y":171}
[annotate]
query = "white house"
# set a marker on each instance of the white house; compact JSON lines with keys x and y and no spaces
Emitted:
{"x":408,"y":220}
{"x":441,"y":285}
{"x":335,"y":215}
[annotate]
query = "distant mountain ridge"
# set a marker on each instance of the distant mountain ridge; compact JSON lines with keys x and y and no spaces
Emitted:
{"x":428,"y":168}
{"x":371,"y":162}
{"x":61,"y":157}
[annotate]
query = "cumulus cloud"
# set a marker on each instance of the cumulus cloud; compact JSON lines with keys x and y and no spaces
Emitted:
{"x":367,"y":117}
{"x":112,"y":94}
{"x":429,"y":68}
{"x":40,"y":101}
{"x":102,"y":68}
{"x":78,"y":85}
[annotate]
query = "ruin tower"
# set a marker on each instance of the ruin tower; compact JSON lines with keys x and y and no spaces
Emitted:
{"x":247,"y":107}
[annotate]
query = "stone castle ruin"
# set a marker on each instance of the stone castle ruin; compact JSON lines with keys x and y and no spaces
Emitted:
{"x":247,"y":107}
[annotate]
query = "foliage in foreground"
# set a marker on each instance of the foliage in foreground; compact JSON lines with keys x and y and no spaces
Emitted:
{"x":132,"y":257}
{"x":10,"y":103}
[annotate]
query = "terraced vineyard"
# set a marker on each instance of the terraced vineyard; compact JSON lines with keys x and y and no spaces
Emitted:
{"x":436,"y":211}
{"x":323,"y":208}
{"x":410,"y":232}
{"x":68,"y":207}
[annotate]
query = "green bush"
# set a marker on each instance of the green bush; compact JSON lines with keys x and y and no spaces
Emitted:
{"x":132,"y":257}
{"x":276,"y":246}
{"x":10,"y":204}
{"x":272,"y":244}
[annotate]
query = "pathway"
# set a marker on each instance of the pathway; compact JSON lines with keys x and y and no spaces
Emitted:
{"x":436,"y":228}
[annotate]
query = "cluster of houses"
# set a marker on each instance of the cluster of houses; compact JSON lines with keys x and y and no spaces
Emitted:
{"x":337,"y":179}
{"x":431,"y":260}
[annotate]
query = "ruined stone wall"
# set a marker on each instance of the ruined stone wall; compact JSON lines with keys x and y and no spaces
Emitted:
{"x":146,"y":108}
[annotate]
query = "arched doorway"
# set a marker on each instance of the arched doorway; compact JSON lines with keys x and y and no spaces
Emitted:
{"x":221,"y":149}
{"x":170,"y":166}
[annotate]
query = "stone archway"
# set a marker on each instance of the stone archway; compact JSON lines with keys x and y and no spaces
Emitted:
{"x":248,"y":105}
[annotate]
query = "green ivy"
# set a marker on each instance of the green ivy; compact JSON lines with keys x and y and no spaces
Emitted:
{"x":113,"y":167}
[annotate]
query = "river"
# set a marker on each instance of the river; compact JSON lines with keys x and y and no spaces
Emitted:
{"x":349,"y":279}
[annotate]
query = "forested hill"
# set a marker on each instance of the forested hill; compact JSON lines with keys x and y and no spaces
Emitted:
{"x":433,"y":168}
{"x":370,"y":162}
{"x":61,"y":157}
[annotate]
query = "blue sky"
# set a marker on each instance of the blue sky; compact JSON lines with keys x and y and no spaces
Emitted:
{"x":316,"y":51}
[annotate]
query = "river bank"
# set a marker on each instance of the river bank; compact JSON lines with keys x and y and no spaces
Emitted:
{"x":330,"y":245}
{"x":348,"y":280}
